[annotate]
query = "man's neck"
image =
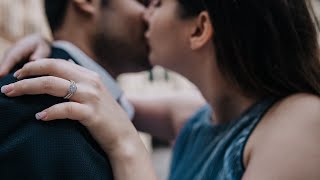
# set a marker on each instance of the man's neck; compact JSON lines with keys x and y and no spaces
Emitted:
{"x":81,"y":41}
{"x":78,"y":39}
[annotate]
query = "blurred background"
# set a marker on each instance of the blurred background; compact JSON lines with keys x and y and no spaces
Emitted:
{"x":19,"y":18}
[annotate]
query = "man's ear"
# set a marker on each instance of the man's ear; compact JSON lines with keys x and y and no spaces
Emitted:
{"x":202,"y":31}
{"x":87,"y":6}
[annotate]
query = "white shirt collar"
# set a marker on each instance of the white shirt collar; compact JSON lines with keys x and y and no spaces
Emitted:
{"x":85,"y":61}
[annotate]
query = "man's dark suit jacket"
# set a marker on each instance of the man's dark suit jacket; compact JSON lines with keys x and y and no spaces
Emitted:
{"x":31,"y":149}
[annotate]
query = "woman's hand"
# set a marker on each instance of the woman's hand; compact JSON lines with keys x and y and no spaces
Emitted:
{"x":31,"y":47}
{"x":92,"y":105}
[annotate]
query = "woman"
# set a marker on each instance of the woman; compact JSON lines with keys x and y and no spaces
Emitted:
{"x":255,"y":62}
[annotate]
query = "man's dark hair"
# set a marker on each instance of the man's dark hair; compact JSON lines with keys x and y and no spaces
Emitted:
{"x":266,"y":47}
{"x":56,"y":10}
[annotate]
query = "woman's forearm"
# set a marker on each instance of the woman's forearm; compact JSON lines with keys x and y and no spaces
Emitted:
{"x":163,"y":117}
{"x":153,"y":117}
{"x":131,"y":161}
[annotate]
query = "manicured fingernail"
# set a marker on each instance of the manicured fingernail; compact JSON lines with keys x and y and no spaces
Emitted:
{"x":41,"y":115}
{"x":6,"y":89}
{"x":17,"y":73}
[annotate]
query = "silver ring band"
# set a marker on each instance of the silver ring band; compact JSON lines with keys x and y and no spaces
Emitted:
{"x":71,"y":91}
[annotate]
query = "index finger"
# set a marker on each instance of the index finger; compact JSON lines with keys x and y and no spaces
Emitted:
{"x":54,"y":67}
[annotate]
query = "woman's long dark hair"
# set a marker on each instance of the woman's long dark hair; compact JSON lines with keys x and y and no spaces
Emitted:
{"x":266,"y":47}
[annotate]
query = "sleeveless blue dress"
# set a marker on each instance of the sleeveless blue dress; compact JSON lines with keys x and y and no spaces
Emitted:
{"x":214,"y":152}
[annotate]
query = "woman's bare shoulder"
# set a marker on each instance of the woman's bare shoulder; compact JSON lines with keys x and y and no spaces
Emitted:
{"x":298,"y":112}
{"x":286,"y":141}
{"x":295,"y":107}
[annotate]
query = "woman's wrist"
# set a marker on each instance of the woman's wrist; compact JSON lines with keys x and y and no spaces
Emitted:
{"x":127,"y":158}
{"x":126,"y":148}
{"x":122,"y":141}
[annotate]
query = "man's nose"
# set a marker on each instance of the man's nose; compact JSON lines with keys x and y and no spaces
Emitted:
{"x":146,"y":15}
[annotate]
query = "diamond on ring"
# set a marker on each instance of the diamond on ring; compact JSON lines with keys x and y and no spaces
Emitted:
{"x":71,"y":91}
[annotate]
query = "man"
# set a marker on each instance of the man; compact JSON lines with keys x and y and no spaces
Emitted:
{"x":99,"y":35}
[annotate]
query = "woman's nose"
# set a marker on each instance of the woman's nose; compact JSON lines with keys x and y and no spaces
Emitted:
{"x":149,"y":10}
{"x":147,"y":14}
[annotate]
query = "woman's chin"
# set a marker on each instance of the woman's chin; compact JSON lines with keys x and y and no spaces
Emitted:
{"x":160,"y":61}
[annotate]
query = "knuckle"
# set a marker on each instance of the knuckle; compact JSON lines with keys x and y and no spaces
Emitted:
{"x":87,"y":116}
{"x":47,"y":65}
{"x":70,"y":109}
{"x":48,"y":83}
{"x":52,"y":111}
{"x":20,"y":87}
{"x":56,"y":110}
{"x":26,"y":69}
{"x":93,"y":94}
{"x":27,"y":65}
{"x":95,"y":76}
{"x":96,"y":80}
